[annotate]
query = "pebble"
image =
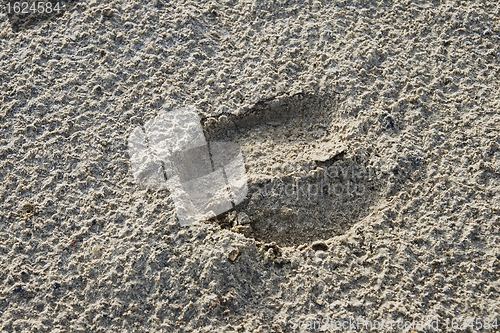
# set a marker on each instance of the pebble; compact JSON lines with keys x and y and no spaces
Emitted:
{"x":233,"y":255}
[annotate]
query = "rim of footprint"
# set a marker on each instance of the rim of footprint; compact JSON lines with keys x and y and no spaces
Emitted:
{"x":275,"y":172}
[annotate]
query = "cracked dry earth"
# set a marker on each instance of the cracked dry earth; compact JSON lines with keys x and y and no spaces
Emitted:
{"x":370,"y":132}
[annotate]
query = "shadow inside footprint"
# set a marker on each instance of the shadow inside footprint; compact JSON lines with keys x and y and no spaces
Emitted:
{"x":303,"y":183}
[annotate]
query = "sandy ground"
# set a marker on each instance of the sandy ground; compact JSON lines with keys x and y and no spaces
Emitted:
{"x":396,"y":103}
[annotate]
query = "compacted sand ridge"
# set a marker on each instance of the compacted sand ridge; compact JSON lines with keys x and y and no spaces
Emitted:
{"x":370,"y":134}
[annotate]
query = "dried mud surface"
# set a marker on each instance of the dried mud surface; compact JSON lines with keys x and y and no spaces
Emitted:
{"x":398,"y":98}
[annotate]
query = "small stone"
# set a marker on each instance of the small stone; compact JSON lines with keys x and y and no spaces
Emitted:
{"x":327,"y":152}
{"x":233,"y":255}
{"x":243,"y":219}
{"x":319,"y":246}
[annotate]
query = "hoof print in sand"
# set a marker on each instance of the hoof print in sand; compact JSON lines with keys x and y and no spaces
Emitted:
{"x":275,"y":172}
{"x":304,"y":183}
